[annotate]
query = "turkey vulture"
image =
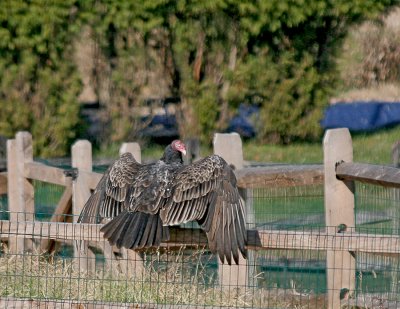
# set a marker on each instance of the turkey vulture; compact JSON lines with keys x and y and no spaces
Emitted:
{"x":139,"y":201}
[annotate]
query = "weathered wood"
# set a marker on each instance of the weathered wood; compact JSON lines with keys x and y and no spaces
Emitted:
{"x":339,"y":242}
{"x":82,"y":160}
{"x":14,"y":303}
{"x":229,"y":146}
{"x":260,"y":177}
{"x":24,"y":154}
{"x":348,"y":241}
{"x":283,"y":176}
{"x":395,"y":212}
{"x":20,"y":189}
{"x":339,"y":210}
{"x":280,"y":176}
{"x":133,"y":148}
{"x":15,"y":245}
{"x":63,"y":208}
{"x":91,"y":178}
{"x":385,"y":176}
{"x":50,"y":174}
{"x":3,"y":183}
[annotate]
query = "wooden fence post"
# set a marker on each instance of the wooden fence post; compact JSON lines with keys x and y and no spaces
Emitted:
{"x":20,"y":189}
{"x":81,"y":153}
{"x":395,"y":213}
{"x":229,"y":146}
{"x":16,"y":245}
{"x":133,"y":148}
{"x":339,"y":209}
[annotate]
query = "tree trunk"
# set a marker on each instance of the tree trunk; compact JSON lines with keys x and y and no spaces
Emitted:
{"x":224,"y":112}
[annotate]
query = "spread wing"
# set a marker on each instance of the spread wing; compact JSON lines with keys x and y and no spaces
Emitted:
{"x":206,"y":191}
{"x":108,"y":199}
{"x":129,"y":195}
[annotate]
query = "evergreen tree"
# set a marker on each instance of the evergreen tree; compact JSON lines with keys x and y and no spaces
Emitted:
{"x":39,"y":85}
{"x":213,"y":54}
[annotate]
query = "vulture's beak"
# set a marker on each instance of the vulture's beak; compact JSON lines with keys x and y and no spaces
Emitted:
{"x":184,"y":152}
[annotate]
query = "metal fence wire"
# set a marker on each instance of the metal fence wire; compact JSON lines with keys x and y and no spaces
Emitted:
{"x":49,"y":274}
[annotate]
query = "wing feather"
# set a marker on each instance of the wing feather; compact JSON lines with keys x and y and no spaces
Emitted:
{"x":143,"y":199}
{"x":90,"y":212}
{"x":206,"y":191}
{"x":233,"y":235}
{"x":108,"y":199}
{"x":227,"y":239}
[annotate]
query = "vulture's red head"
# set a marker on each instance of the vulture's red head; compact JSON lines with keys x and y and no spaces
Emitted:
{"x":178,"y":145}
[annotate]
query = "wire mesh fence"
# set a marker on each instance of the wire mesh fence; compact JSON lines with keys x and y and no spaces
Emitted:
{"x":187,"y":275}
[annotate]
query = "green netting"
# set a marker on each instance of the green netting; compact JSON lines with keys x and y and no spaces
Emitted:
{"x":4,"y":207}
{"x":377,"y":209}
{"x":277,"y":278}
{"x":377,"y":212}
{"x":286,"y":208}
{"x":46,"y":198}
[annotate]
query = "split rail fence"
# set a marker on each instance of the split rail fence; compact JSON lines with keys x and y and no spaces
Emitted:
{"x":338,"y":173}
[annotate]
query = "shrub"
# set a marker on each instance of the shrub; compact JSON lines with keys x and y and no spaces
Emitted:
{"x":39,"y":85}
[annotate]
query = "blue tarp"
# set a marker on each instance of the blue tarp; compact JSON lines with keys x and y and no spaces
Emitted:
{"x":362,"y":116}
{"x":244,"y":121}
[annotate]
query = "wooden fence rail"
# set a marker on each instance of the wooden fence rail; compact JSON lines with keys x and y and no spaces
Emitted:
{"x":348,"y":241}
{"x":381,"y":175}
{"x":14,"y":303}
{"x":248,"y":177}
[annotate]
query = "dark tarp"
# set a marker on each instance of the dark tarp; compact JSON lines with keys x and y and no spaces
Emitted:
{"x":244,"y":121}
{"x":361,"y":116}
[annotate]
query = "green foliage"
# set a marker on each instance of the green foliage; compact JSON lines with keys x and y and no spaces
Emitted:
{"x":38,"y":85}
{"x":291,"y":94}
{"x":126,"y":61}
{"x":279,"y":54}
{"x":204,"y":107}
{"x":213,"y":54}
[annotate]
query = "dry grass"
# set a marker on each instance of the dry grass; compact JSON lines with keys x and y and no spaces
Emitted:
{"x":36,"y":277}
{"x":369,"y":62}
{"x":388,"y":92}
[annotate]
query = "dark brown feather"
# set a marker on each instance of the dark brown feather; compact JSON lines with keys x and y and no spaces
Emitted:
{"x":140,"y":201}
{"x":206,"y":191}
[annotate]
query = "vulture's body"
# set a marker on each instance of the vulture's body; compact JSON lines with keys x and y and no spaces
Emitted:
{"x":139,"y":201}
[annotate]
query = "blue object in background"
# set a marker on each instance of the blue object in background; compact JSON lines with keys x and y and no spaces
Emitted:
{"x":160,"y":126}
{"x":244,"y":122}
{"x":362,"y":116}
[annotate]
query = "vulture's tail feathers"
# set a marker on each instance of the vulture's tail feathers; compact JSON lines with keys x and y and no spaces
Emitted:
{"x":133,"y":230}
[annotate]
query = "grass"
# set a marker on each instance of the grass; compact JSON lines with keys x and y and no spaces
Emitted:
{"x":168,"y":279}
{"x":149,"y":151}
{"x":38,"y":277}
{"x":374,"y":148}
